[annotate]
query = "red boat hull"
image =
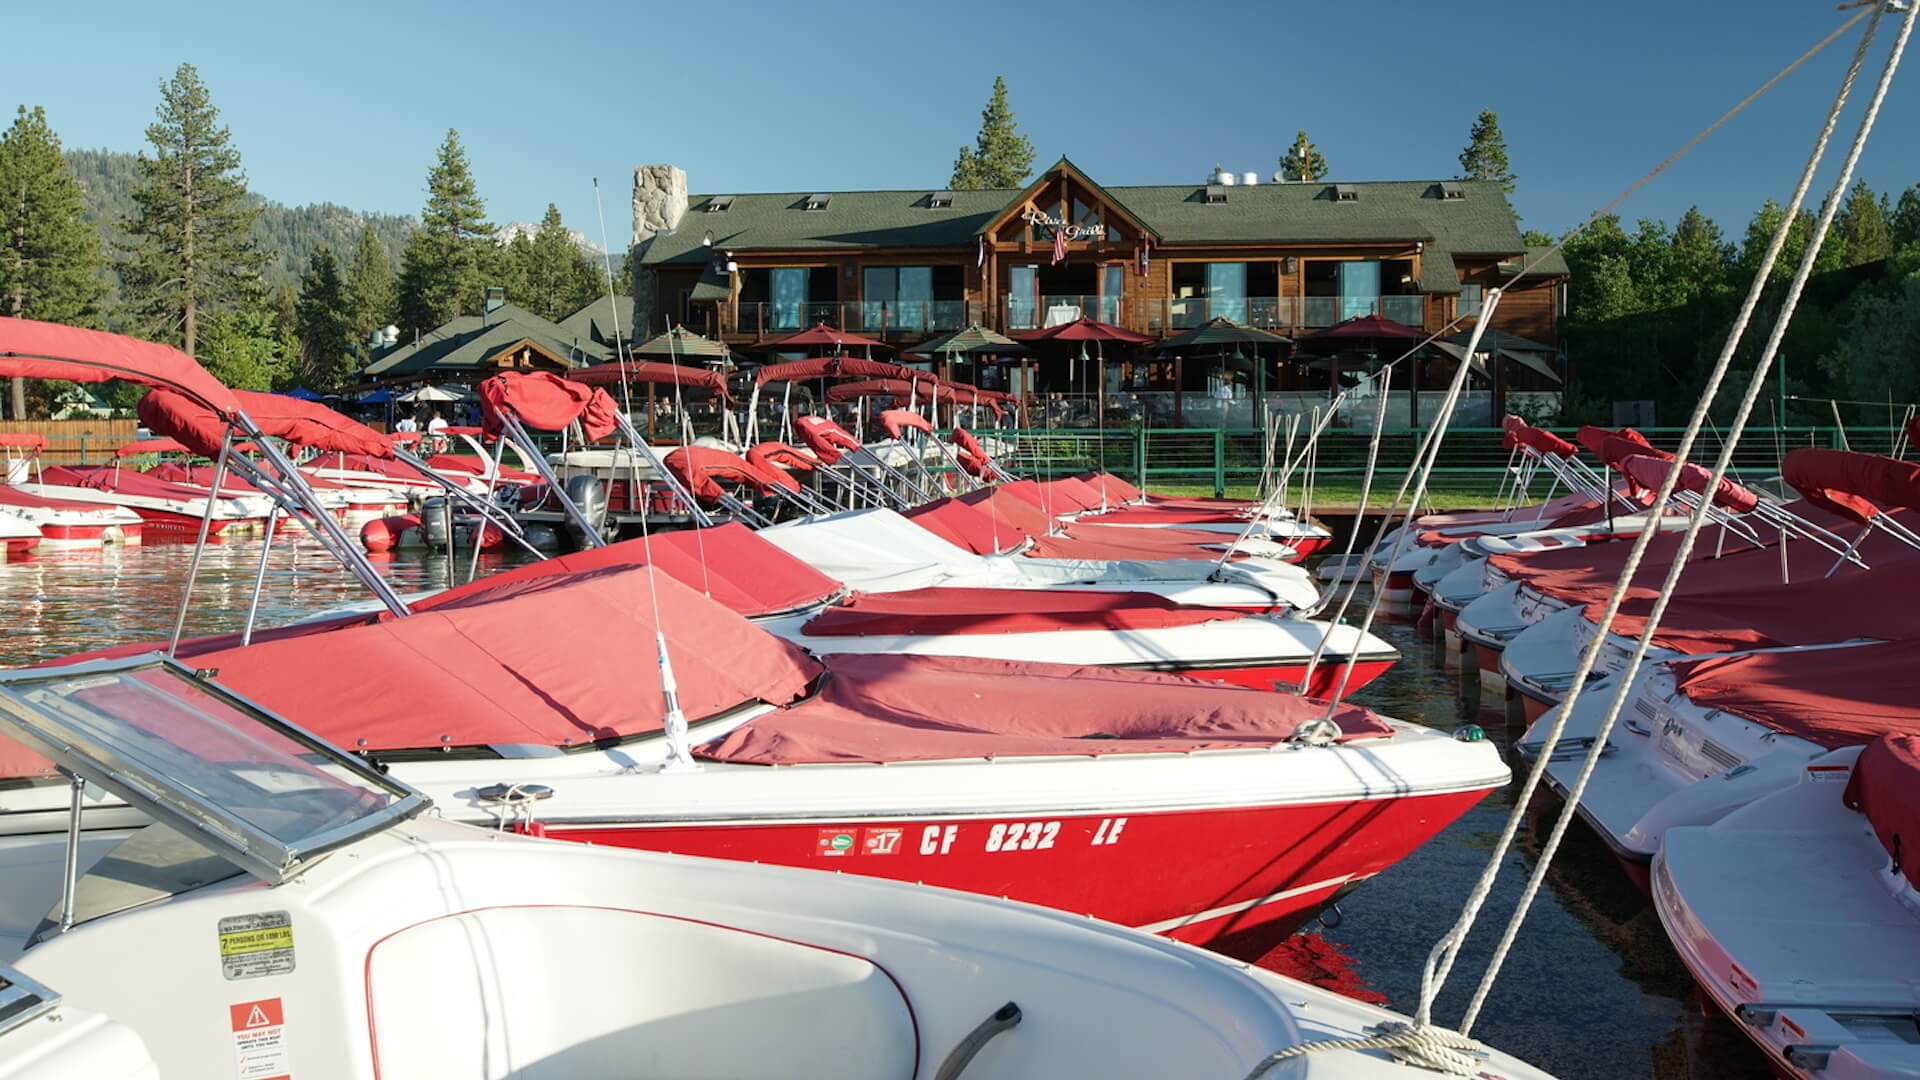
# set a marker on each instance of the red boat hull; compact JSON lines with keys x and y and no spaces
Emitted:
{"x":1236,"y":880}
{"x":20,"y":547}
{"x":166,"y":526}
{"x":1305,"y":547}
{"x":75,"y":536}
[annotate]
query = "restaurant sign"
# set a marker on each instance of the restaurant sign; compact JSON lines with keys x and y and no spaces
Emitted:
{"x":1034,"y":216}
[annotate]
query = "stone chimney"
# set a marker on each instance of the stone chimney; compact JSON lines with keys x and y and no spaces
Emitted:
{"x":659,"y":202}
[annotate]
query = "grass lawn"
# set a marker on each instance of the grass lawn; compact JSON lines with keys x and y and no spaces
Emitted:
{"x":1342,"y":493}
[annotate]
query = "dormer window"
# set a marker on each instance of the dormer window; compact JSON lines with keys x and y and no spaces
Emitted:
{"x":719,"y":204}
{"x":1450,"y":192}
{"x":1216,"y":194}
{"x":1345,"y":193}
{"x":816,"y":202}
{"x":940,"y":200}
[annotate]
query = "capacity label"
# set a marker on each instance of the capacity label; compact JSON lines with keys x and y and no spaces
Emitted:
{"x":255,"y":945}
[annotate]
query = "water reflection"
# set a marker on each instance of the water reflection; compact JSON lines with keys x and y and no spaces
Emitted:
{"x":1591,"y":988}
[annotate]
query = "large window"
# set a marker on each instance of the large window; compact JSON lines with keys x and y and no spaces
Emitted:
{"x":1359,"y":288}
{"x":1471,"y":298}
{"x":1227,"y":291}
{"x":1113,"y":286}
{"x":1023,"y":296}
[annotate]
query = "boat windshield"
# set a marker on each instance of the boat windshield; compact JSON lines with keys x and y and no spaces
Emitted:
{"x":171,"y":742}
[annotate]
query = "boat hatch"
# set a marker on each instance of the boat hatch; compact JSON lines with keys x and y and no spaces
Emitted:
{"x":22,"y":1000}
{"x":249,"y":786}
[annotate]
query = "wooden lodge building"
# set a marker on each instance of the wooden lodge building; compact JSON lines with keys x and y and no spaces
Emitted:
{"x":1158,"y":260}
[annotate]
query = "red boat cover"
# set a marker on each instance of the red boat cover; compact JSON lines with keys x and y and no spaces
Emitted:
{"x":454,"y":463}
{"x":730,"y":564}
{"x":1544,"y":442}
{"x":303,"y":423}
{"x":703,"y":469}
{"x":570,"y":660}
{"x":649,"y":372}
{"x":834,"y":367}
{"x":1885,"y":786}
{"x":1822,"y":476}
{"x":1074,"y":493}
{"x":828,"y":440}
{"x":13,"y":496}
{"x":388,"y":468}
{"x":200,"y":478}
{"x":546,"y":402}
{"x":143,"y":447}
{"x":1650,"y":472}
{"x":1117,"y":490}
{"x":897,"y":421}
{"x":23,"y":440}
{"x":40,"y":350}
{"x":966,"y":526}
{"x":884,"y":708}
{"x":1089,"y":541}
{"x":1747,"y":612}
{"x":123,"y":481}
{"x":933,"y":612}
{"x":778,"y":456}
{"x":973,"y":456}
{"x":1832,"y":697}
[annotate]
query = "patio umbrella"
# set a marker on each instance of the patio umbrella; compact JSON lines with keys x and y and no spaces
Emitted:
{"x":1527,"y":353}
{"x":822,"y":336}
{"x":1084,"y":330}
{"x":432,"y":393}
{"x":975,"y":340}
{"x":301,"y":393}
{"x":1220,"y":334}
{"x":680,"y":344}
{"x":377,"y":397}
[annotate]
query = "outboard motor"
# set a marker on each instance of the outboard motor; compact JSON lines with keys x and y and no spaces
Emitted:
{"x":436,"y":519}
{"x":590,"y":495}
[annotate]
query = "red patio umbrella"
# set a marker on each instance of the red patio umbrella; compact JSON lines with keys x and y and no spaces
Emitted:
{"x":823,"y":336}
{"x":1367,"y":328}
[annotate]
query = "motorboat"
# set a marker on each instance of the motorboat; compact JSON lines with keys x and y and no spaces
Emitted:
{"x":1005,"y":518}
{"x":1699,"y":738}
{"x":64,"y":523}
{"x":169,"y":512}
{"x":1799,"y":914}
{"x":218,"y":889}
{"x":1052,"y":783}
{"x":1731,"y":602}
{"x":878,"y":550}
{"x":1077,"y":501}
{"x":18,"y":537}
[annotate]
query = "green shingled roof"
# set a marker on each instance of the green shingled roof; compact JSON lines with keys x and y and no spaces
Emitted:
{"x":1398,"y":211}
{"x":468,"y":343}
{"x":593,"y":326}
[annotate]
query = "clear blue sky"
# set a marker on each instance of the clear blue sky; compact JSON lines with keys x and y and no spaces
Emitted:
{"x":346,"y":102}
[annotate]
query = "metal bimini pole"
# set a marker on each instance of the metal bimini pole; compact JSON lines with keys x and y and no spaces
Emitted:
{"x":200,"y":545}
{"x":646,"y":450}
{"x":317,"y":521}
{"x":493,"y":479}
{"x":510,"y":427}
{"x":484,"y":507}
{"x":260,"y":575}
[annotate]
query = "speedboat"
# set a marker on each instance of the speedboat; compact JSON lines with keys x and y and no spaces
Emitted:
{"x":1698,"y":739}
{"x":168,"y":511}
{"x":18,"y":537}
{"x":1002,"y":518}
{"x":1799,"y":914}
{"x":64,"y":523}
{"x":1076,"y":501}
{"x":1213,"y":814}
{"x":217,"y":888}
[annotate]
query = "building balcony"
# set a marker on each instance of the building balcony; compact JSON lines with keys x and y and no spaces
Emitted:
{"x":1025,"y":314}
{"x":1283,"y":314}
{"x":878,"y":318}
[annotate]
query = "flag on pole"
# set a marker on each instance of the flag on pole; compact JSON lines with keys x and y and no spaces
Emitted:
{"x":1059,"y":244}
{"x":981,"y":261}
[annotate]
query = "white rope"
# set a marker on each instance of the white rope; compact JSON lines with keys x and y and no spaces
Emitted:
{"x":1427,"y":1047}
{"x":1699,"y":515}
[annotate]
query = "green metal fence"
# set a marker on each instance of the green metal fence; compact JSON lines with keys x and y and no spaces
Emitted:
{"x":1470,"y":458}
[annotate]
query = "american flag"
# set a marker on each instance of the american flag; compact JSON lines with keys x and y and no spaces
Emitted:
{"x":1060,"y":244}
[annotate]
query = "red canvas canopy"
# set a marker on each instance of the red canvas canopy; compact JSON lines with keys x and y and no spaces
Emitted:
{"x":834,"y":367}
{"x":1083,"y":329}
{"x":40,"y":350}
{"x":649,"y":372}
{"x":1010,"y":509}
{"x":13,"y":496}
{"x":1650,"y":472}
{"x":1832,"y":697}
{"x":828,"y":440}
{"x":546,"y":402}
{"x":881,"y":708}
{"x":777,"y":456}
{"x":1116,"y":489}
{"x":1885,"y":786}
{"x":200,"y":477}
{"x":1826,"y":477}
{"x":703,"y":469}
{"x":568,"y":661}
{"x":822,"y":336}
{"x":144,"y":447}
{"x":1736,"y":604}
{"x":1519,"y":433}
{"x":23,"y":440}
{"x":729,"y":564}
{"x":897,"y":389}
{"x":127,"y":481}
{"x":1594,"y":439}
{"x":928,"y":612}
{"x":1367,"y":328}
{"x":302,"y":423}
{"x":898,"y":421}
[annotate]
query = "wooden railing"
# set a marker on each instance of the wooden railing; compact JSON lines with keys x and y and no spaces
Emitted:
{"x":72,"y":442}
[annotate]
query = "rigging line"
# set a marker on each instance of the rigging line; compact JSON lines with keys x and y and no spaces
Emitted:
{"x":1448,"y":945}
{"x":681,"y":418}
{"x":1849,"y":401}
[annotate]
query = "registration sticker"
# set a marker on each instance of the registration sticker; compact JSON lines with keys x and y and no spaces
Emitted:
{"x":255,"y":945}
{"x":833,"y":843}
{"x":259,"y":1040}
{"x":880,"y":841}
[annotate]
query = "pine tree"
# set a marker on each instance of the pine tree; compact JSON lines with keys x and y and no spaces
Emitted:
{"x":49,"y":255}
{"x":553,"y":275}
{"x":1862,"y":222}
{"x":1000,"y":157}
{"x":1303,"y":162}
{"x":1700,"y":257}
{"x":369,"y":287}
{"x":284,"y":319}
{"x":1485,"y":157}
{"x":192,"y":215}
{"x":324,"y":316}
{"x":1905,"y":221}
{"x":444,"y":270}
{"x":242,"y":348}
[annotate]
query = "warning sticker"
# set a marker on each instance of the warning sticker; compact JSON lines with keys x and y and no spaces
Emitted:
{"x":833,"y":842}
{"x":259,"y":1040}
{"x":256,"y":945}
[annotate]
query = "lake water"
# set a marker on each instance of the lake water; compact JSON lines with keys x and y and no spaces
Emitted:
{"x":1590,"y":990}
